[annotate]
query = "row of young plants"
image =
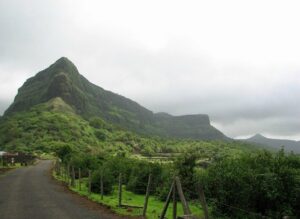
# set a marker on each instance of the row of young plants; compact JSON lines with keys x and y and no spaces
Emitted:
{"x":246,"y":186}
{"x":94,"y":170}
{"x":135,"y":173}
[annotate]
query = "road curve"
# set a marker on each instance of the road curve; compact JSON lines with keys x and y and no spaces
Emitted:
{"x":31,"y":193}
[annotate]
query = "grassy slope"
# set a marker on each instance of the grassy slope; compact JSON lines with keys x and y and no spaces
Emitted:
{"x":44,"y":127}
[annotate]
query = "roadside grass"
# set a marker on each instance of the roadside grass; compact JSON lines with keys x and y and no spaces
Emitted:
{"x":154,"y":209}
{"x":16,"y":165}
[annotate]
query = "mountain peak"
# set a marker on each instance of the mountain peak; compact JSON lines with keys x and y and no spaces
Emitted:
{"x":65,"y":65}
{"x":61,"y":79}
{"x":64,"y":89}
{"x":289,"y":145}
{"x":258,"y":135}
{"x":63,"y":61}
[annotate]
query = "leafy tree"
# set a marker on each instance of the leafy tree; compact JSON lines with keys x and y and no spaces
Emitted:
{"x":100,"y":135}
{"x":262,"y":182}
{"x":107,"y":179}
{"x":63,"y":151}
{"x":185,"y":169}
{"x":138,"y":179}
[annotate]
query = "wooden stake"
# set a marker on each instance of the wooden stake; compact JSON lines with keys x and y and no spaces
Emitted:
{"x":174,"y":203}
{"x":147,"y":196}
{"x":65,"y":173}
{"x":162,"y":216}
{"x":57,"y":167}
{"x":203,"y":200}
{"x":79,"y":179}
{"x":60,"y":170}
{"x":184,"y":203}
{"x":73,"y":177}
{"x":120,"y":190}
{"x":68,"y":174}
{"x":90,"y":182}
{"x":101,"y":185}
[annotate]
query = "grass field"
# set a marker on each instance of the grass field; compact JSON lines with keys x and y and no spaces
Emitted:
{"x":154,"y":209}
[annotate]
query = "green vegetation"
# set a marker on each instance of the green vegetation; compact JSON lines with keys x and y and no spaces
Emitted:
{"x":263,"y":183}
{"x":135,"y":174}
{"x":245,"y":185}
{"x":154,"y":209}
{"x":43,"y":129}
{"x":53,"y":126}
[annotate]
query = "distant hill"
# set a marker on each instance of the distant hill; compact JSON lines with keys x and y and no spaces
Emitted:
{"x":275,"y":144}
{"x":62,"y":80}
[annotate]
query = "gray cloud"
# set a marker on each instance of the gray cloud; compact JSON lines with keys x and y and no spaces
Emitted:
{"x":164,"y":63}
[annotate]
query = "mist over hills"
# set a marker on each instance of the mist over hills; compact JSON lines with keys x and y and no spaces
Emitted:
{"x":274,"y":144}
{"x":63,"y":80}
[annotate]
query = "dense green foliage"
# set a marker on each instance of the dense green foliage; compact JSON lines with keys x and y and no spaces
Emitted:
{"x":241,"y":186}
{"x":63,"y":80}
{"x":54,"y":127}
{"x":264,"y":183}
{"x":42,"y":129}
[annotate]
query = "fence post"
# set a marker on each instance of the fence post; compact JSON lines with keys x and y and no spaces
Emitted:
{"x":167,"y":201}
{"x":147,"y":196}
{"x":120,"y":190}
{"x":64,"y":172}
{"x":79,"y":179}
{"x":57,"y":167}
{"x":90,"y":182}
{"x":61,"y":170}
{"x":203,"y":200}
{"x":101,"y":184}
{"x":73,"y":177}
{"x":68,"y":174}
{"x":174,"y":203}
{"x":184,"y":203}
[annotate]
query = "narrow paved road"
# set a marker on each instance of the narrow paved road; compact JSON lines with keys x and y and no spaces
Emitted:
{"x":30,"y":193}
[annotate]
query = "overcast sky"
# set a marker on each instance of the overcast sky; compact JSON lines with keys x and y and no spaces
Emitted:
{"x":238,"y":61}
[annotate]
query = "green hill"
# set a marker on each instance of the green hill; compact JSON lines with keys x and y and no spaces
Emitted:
{"x":87,"y":100}
{"x":44,"y":127}
{"x":275,"y":144}
{"x":54,"y":125}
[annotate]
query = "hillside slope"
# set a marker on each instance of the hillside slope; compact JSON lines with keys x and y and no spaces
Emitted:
{"x":63,"y":80}
{"x":54,"y":126}
{"x":275,"y":144}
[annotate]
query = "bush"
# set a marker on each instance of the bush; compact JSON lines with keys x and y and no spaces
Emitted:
{"x":185,"y":169}
{"x":85,"y":162}
{"x":100,"y":135}
{"x":264,"y":183}
{"x":139,"y":175}
{"x":108,"y":181}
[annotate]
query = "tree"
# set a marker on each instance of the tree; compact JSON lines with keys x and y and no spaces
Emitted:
{"x":264,"y":183}
{"x":185,"y":169}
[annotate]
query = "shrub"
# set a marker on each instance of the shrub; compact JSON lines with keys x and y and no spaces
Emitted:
{"x":264,"y":183}
{"x":139,"y":175}
{"x":108,"y":181}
